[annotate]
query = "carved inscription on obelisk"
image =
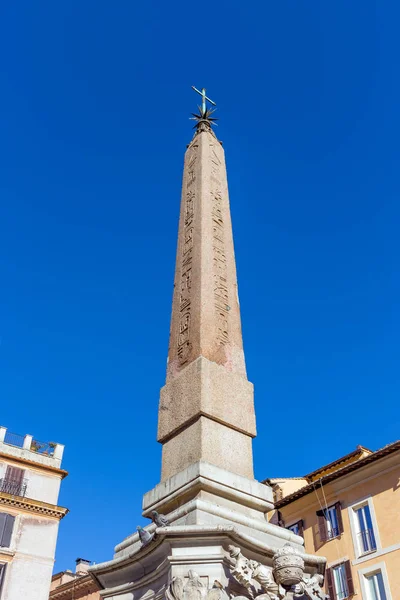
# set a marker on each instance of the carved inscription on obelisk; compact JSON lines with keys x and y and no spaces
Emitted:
{"x":221,"y":300}
{"x":184,"y":342}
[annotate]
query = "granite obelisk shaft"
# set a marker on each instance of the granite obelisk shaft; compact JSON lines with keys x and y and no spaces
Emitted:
{"x":206,"y":407}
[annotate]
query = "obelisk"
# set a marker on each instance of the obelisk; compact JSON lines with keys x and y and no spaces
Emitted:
{"x":213,"y":541}
{"x":206,"y":409}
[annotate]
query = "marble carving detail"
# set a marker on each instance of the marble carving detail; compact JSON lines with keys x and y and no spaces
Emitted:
{"x":285,"y":581}
{"x":194,"y":589}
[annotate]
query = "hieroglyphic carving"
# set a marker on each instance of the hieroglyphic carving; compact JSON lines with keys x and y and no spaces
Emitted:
{"x":221,"y":298}
{"x":185,"y":285}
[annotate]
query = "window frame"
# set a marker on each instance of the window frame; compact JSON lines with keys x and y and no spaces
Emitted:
{"x":325,"y":532}
{"x":345,"y":564}
{"x":367,"y":501}
{"x":3,"y":570}
{"x":372,"y":570}
{"x":300,"y":524}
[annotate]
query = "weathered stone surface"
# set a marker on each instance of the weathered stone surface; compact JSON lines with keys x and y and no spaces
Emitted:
{"x":206,"y":375}
{"x":209,"y":441}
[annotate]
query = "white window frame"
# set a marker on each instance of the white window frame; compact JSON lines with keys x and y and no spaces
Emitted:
{"x":340,"y":566}
{"x":364,"y":573}
{"x":354,"y":526}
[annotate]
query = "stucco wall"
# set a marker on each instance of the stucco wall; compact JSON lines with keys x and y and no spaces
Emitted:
{"x":40,"y":485}
{"x":379,"y":481}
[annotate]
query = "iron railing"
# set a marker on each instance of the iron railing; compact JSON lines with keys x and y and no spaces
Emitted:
{"x":14,"y":439}
{"x":14,"y":487}
{"x":366,"y":540}
{"x":332,"y":532}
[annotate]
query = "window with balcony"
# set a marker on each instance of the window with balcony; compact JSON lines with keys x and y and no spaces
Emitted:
{"x":364,"y":530}
{"x":13,"y":482}
{"x":6,"y":529}
{"x":340,"y":581}
{"x":330,"y":522}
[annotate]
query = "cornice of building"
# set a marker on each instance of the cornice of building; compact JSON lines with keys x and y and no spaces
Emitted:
{"x":33,"y":464}
{"x":84,"y":583}
{"x":34,"y":506}
{"x":359,"y":464}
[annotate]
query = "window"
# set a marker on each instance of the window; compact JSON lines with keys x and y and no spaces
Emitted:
{"x":340,"y":581}
{"x":330,"y":522}
{"x":297,"y":528}
{"x":6,"y":529}
{"x":375,"y":587}
{"x":374,"y":583}
{"x":13,"y":483}
{"x":2,"y":574}
{"x":364,"y":530}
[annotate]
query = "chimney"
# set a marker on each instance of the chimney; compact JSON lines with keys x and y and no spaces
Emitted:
{"x":82,"y":566}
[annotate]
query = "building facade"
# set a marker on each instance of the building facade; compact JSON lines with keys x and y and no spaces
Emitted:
{"x":74,"y":586}
{"x":30,"y":478}
{"x":349,"y":512}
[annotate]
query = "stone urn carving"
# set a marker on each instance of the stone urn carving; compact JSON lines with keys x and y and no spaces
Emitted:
{"x":288,"y":566}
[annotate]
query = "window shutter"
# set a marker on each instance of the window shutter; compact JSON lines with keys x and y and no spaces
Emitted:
{"x":15,"y":474}
{"x":281,"y":521}
{"x":329,"y":584}
{"x":323,"y":534}
{"x":5,"y":539}
{"x":349,"y":578}
{"x":3,"y":518}
{"x":339,"y":516}
{"x":301,"y":528}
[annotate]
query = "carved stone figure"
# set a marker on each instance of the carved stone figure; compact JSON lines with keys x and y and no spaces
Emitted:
{"x":242,"y":570}
{"x":288,"y":566}
{"x":311,"y":588}
{"x":249,"y":573}
{"x":265,"y":578}
{"x":175,"y":589}
{"x":194,"y":588}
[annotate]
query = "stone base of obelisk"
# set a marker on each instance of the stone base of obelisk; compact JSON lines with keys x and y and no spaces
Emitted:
{"x":209,"y":511}
{"x":199,"y":555}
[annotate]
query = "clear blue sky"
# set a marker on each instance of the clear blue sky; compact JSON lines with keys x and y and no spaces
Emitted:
{"x":94,"y":108}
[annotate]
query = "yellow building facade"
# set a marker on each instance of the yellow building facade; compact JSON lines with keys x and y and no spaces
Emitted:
{"x":349,"y":512}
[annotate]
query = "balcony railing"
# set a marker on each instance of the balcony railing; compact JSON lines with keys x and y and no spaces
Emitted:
{"x":14,"y":439}
{"x":366,"y":540}
{"x":13,"y":486}
{"x":332,"y":532}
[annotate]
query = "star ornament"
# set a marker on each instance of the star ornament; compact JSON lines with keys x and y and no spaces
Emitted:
{"x":206,"y":116}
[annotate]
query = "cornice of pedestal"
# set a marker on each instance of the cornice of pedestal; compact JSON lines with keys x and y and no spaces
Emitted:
{"x":145,"y":565}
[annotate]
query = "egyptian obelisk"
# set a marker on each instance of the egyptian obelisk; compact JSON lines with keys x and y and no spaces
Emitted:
{"x":206,"y":408}
{"x":214,"y":526}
